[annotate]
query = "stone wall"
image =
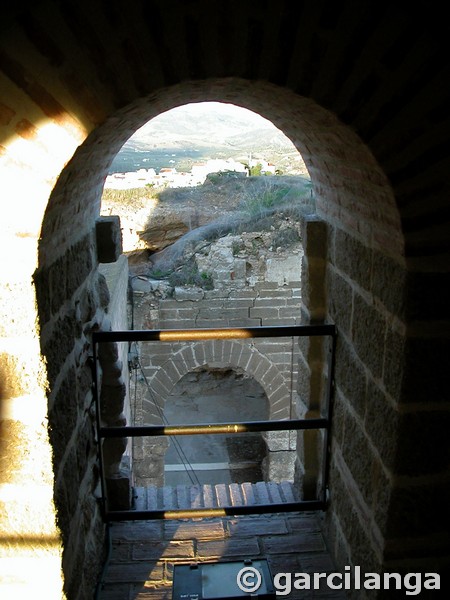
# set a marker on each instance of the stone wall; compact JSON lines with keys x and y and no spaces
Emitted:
{"x":73,"y":299}
{"x":366,"y":301}
{"x":268,"y":296}
{"x":315,"y":354}
{"x":76,"y":298}
{"x":114,"y":388}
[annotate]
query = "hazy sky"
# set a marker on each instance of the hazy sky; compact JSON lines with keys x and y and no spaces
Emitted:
{"x":228,"y":118}
{"x":198,"y":109}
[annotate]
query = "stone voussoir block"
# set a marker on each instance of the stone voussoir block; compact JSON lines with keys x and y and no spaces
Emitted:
{"x":194,"y":294}
{"x":314,"y":235}
{"x":108,"y":238}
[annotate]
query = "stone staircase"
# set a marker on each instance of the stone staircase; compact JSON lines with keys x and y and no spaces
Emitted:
{"x":187,"y":497}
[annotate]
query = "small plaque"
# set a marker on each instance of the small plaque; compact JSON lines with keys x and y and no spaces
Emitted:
{"x":220,"y":581}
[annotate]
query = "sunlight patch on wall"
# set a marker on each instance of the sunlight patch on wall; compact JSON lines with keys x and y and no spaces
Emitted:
{"x":43,"y":149}
{"x":133,"y":218}
{"x":29,"y":167}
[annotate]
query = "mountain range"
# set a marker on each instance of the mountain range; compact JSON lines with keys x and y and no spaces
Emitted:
{"x":195,"y":132}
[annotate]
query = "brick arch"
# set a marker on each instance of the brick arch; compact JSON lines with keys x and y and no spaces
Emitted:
{"x":344,"y":172}
{"x":360,"y":250}
{"x":354,"y":200}
{"x":232,"y":354}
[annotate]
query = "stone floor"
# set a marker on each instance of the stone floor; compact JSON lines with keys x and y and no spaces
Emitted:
{"x":143,"y":554}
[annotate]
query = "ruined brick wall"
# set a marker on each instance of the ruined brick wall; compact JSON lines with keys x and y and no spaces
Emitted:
{"x":272,"y":362}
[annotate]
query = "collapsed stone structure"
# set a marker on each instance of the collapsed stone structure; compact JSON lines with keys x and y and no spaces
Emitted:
{"x":254,"y":284}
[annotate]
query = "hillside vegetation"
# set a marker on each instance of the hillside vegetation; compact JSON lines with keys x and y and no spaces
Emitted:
{"x":174,"y":220}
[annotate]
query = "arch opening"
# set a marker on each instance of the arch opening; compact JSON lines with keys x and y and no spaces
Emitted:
{"x":342,"y":169}
{"x":214,"y":395}
{"x":346,"y":180}
{"x":193,"y":173}
{"x":161,"y":367}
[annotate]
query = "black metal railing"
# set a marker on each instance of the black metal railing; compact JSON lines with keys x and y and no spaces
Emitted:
{"x":189,"y":335}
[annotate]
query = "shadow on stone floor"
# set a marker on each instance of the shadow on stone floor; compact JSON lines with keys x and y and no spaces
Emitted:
{"x":143,"y":554}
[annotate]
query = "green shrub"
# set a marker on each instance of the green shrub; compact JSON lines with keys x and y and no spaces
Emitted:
{"x":285,"y":238}
{"x":188,"y":274}
{"x":129,"y":197}
{"x":157,"y":273}
{"x":262,"y":199}
{"x":237,"y":247}
{"x":256,"y":170}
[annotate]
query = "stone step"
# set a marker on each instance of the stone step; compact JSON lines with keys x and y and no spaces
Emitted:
{"x":213,"y":496}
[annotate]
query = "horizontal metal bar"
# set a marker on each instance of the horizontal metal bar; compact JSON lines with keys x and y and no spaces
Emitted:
{"x":258,"y":509}
{"x":213,"y":428}
{"x":213,"y":466}
{"x":178,"y":335}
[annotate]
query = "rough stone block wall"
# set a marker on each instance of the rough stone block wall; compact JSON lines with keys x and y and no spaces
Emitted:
{"x":114,"y":387}
{"x":314,"y":357}
{"x":74,"y":300}
{"x":366,"y":301}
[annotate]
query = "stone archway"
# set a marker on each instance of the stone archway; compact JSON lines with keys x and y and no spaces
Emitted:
{"x":344,"y":175}
{"x":224,"y":354}
{"x":342,"y":169}
{"x":213,"y":395}
{"x":243,"y":357}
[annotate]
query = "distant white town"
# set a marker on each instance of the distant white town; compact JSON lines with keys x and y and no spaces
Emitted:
{"x":170,"y":177}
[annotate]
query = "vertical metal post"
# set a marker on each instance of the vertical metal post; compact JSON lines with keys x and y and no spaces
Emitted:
{"x":328,"y":416}
{"x":95,"y":387}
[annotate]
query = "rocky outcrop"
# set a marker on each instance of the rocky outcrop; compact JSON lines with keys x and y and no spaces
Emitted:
{"x":163,"y":232}
{"x":157,"y":220}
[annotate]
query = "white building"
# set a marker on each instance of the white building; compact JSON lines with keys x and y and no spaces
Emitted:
{"x":131,"y":179}
{"x":169,"y":176}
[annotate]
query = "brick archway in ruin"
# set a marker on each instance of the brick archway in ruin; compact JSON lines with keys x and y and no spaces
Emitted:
{"x":233,"y":354}
{"x":242,"y":358}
